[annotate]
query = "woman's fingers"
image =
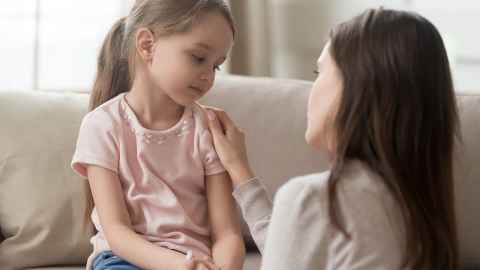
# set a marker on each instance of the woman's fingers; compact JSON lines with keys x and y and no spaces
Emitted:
{"x":222,"y":116}
{"x":225,"y":120}
{"x":214,"y":124}
{"x":230,"y":146}
{"x":210,"y":107}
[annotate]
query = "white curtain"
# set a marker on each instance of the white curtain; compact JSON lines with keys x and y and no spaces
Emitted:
{"x":283,"y":38}
{"x":251,"y":55}
{"x":53,"y":45}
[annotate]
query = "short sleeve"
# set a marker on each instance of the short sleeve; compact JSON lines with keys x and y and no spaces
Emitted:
{"x":96,"y":144}
{"x":211,"y":162}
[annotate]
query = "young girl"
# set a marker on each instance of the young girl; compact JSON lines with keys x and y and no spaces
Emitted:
{"x":161,"y":194}
{"x":384,"y":108}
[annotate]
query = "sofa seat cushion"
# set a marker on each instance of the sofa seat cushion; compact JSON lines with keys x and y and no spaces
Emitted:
{"x":252,"y":262}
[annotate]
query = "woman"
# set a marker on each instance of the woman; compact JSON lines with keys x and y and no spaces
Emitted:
{"x":383,"y":106}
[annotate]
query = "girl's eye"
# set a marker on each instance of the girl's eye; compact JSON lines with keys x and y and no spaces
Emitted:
{"x":316,"y":72}
{"x":198,"y":59}
{"x":201,"y":60}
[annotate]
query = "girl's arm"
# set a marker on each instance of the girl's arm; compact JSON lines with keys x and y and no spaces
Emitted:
{"x":228,"y":249}
{"x":124,"y":242}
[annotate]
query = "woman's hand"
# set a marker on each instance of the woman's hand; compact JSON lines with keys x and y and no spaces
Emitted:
{"x":229,"y":143}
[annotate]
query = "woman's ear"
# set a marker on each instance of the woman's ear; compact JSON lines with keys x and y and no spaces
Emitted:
{"x":144,"y":41}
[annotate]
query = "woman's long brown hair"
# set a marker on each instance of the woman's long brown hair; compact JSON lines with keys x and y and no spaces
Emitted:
{"x":397,"y":114}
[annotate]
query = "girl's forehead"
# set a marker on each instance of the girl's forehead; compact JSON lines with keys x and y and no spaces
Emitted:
{"x":212,"y":22}
{"x":211,"y":33}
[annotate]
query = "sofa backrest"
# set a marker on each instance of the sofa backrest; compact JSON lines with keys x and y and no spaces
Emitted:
{"x":38,"y":135}
{"x":467,"y":182}
{"x":273,"y":114}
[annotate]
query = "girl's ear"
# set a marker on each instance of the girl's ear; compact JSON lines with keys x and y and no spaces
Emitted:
{"x":144,"y":41}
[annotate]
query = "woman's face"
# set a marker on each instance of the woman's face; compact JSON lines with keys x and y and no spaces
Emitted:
{"x":323,"y":102}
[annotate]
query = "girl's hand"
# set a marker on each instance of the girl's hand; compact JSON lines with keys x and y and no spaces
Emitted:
{"x":199,"y":264}
{"x":229,"y":143}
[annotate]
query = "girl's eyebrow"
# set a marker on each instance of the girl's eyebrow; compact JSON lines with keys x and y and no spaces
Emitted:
{"x":204,"y":46}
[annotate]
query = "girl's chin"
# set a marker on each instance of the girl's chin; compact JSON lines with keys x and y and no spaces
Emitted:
{"x":186,"y":101}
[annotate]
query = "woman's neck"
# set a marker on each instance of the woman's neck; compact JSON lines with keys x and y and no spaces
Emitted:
{"x":153,"y":108}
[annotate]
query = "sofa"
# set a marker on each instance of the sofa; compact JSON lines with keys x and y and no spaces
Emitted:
{"x":42,"y":202}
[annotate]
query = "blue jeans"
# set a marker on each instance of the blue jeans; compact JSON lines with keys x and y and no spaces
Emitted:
{"x":108,"y":261}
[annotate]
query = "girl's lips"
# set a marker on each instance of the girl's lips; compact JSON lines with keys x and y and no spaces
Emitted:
{"x":197,"y":89}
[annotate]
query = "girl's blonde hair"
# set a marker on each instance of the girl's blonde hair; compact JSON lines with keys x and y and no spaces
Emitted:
{"x":115,"y":64}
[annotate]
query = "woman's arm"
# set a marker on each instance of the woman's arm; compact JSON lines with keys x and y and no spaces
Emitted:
{"x":298,"y":231}
{"x":124,"y":242}
{"x":228,"y":249}
{"x":299,"y":235}
{"x":256,"y":208}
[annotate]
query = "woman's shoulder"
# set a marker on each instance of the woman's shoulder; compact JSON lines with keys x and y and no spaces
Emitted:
{"x":367,"y":212}
{"x":316,"y":181}
{"x":305,"y":187}
{"x":360,"y":178}
{"x":356,"y":180}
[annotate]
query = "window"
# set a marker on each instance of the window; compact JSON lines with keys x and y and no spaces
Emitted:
{"x":70,"y":36}
{"x":52,"y":45}
{"x":457,"y":22}
{"x":17,"y":29}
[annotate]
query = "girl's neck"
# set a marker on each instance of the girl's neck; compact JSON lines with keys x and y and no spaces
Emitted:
{"x":153,"y":108}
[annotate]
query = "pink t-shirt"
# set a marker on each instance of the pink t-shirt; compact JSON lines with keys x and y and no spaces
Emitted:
{"x":162,"y":173}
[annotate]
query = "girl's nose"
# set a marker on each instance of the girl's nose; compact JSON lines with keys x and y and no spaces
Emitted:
{"x":207,"y":76}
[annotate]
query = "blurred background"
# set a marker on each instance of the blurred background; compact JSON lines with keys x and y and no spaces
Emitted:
{"x":53,"y":44}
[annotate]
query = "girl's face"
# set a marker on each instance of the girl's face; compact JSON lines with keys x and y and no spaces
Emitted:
{"x":183,"y":65}
{"x":323,"y":102}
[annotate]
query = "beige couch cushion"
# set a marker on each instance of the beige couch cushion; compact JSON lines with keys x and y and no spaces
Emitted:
{"x":273,"y":114}
{"x":468,"y":181}
{"x":46,"y":230}
{"x":42,"y":202}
